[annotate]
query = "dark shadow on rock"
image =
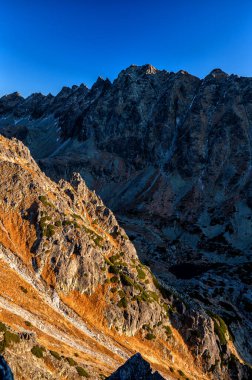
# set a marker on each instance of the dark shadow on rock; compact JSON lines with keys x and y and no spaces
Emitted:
{"x":5,"y":371}
{"x":135,"y":368}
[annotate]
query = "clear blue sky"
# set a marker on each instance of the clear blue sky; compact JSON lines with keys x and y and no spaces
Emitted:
{"x":47,"y":44}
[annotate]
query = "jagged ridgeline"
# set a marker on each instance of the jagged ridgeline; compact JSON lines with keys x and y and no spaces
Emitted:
{"x":163,"y":151}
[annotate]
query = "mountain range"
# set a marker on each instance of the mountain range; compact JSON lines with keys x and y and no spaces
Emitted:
{"x":167,"y":272}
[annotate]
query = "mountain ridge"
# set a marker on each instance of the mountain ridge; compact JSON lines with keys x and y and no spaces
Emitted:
{"x":170,"y":155}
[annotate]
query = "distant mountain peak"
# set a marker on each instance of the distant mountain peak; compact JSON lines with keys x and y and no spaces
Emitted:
{"x":218,"y":74}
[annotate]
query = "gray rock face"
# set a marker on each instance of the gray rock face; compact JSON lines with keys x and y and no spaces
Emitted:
{"x":136,"y":368}
{"x":170,"y":154}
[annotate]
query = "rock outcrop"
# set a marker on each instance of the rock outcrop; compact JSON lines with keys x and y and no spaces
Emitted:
{"x":136,"y":368}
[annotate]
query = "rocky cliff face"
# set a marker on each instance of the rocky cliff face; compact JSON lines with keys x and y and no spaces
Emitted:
{"x":170,"y":154}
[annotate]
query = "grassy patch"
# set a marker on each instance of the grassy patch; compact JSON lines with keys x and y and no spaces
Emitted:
{"x":181,"y":373}
{"x":82,"y":372}
{"x":37,"y":351}
{"x":154,"y":296}
{"x":55,"y":354}
{"x":126,"y":280}
{"x":220,"y":328}
{"x":98,"y":241}
{"x":43,"y":199}
{"x":123,"y":302}
{"x":140,"y":273}
{"x":168,"y":330}
{"x":71,"y":362}
{"x":49,"y":231}
{"x":150,"y":336}
{"x":114,"y":269}
{"x":114,"y":279}
{"x":76,"y":216}
{"x":3,"y":327}
{"x":8,"y":339}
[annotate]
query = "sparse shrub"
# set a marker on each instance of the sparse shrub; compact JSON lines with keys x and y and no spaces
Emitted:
{"x":141,"y":274}
{"x":113,"y":290}
{"x":145,"y":296}
{"x":37,"y":351}
{"x":71,"y":362}
{"x":114,"y":279}
{"x":181,"y":373}
{"x":10,"y":337}
{"x":154,"y":296}
{"x":49,"y":231}
{"x":76,"y":216}
{"x":58,"y":223}
{"x":107,"y":261}
{"x":27,"y":323}
{"x":82,"y":372}
{"x":24,"y":290}
{"x":171,"y":369}
{"x":44,"y":200}
{"x":98,"y":241}
{"x":220,"y":328}
{"x":121,"y":293}
{"x":3,"y":327}
{"x":66,"y":223}
{"x":76,"y":225}
{"x":150,"y":336}
{"x":55,"y":354}
{"x":114,"y":269}
{"x":168,"y":330}
{"x":123,"y":302}
{"x":126,"y":280}
{"x":43,"y":221}
{"x":114,"y":258}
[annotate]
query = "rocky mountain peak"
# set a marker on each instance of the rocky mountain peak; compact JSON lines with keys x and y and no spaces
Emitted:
{"x":218,"y":74}
{"x":64,"y":92}
{"x":137,"y":71}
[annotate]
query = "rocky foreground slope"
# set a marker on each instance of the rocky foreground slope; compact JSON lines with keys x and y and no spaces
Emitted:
{"x":170,"y":154}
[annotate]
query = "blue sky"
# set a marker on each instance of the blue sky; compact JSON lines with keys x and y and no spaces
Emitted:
{"x":47,"y":44}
